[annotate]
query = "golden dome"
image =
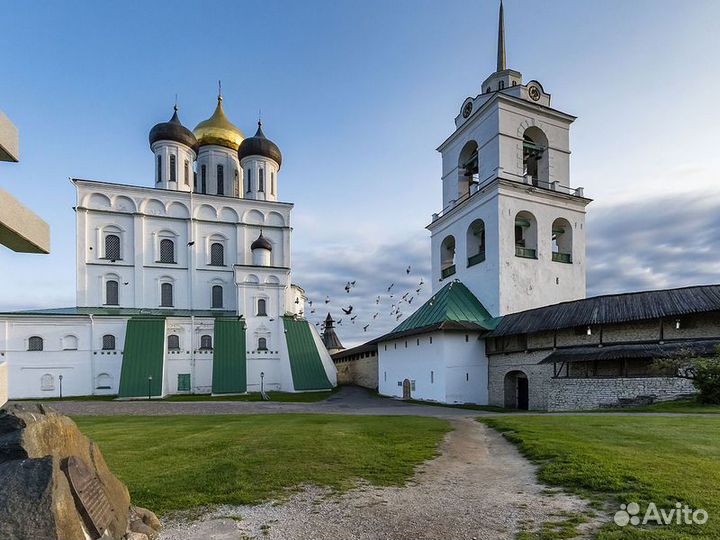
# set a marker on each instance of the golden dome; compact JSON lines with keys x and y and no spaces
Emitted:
{"x":219,"y":130}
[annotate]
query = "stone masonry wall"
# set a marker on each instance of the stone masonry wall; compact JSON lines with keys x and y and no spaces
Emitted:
{"x":3,"y":383}
{"x":574,"y":394}
{"x":362,"y":372}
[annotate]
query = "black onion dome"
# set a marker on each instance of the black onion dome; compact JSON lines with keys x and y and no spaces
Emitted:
{"x":261,"y":242}
{"x":260,"y":145}
{"x":173,"y":130}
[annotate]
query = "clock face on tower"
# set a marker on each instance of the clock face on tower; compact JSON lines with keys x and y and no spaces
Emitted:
{"x":467,"y":109}
{"x":534,"y":93}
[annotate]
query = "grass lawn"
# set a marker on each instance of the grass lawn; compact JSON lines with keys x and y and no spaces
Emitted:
{"x":176,"y":463}
{"x":691,"y":407}
{"x":625,"y":459}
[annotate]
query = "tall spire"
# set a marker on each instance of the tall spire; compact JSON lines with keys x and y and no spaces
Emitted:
{"x":501,"y":65}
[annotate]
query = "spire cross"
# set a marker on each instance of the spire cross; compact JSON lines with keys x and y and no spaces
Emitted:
{"x":219,"y":90}
{"x":501,"y":64}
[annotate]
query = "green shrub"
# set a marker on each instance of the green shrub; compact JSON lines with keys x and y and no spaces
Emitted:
{"x":707,"y":380}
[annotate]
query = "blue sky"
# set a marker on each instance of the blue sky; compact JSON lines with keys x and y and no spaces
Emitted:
{"x":358,"y":94}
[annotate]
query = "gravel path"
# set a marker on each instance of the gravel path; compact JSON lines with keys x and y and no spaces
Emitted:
{"x":478,"y":487}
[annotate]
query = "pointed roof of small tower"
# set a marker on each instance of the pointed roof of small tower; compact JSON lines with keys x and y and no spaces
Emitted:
{"x":218,"y":129}
{"x":329,"y":337}
{"x":173,"y":130}
{"x":501,"y":60}
{"x":260,"y":145}
{"x":261,"y":243}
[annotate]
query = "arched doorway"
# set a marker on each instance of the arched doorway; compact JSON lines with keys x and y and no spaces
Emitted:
{"x":516,"y":390}
{"x":406,"y":389}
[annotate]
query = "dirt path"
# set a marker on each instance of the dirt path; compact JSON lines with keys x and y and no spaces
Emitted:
{"x":478,"y":487}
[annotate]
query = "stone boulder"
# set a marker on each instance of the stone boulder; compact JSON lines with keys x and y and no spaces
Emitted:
{"x":55,"y":484}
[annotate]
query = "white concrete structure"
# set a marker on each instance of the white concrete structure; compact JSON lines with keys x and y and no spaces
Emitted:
{"x":188,"y":250}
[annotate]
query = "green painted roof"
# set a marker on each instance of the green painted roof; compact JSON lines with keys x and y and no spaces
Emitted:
{"x":454,"y":303}
{"x":308,"y":372}
{"x":143,"y":355}
{"x":229,"y":375}
{"x":121,"y":312}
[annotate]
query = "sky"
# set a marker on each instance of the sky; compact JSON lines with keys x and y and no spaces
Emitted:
{"x":358,"y":95}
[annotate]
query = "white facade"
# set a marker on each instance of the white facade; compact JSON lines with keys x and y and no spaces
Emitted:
{"x":181,"y":250}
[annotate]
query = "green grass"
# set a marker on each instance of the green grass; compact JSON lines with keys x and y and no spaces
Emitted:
{"x":175,"y":463}
{"x":71,"y":398}
{"x":689,"y":407}
{"x":469,"y":406}
{"x":625,"y":459}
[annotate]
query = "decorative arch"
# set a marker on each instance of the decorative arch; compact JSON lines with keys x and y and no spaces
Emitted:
{"x":178,"y":210}
{"x":69,"y":343}
{"x":272,"y":280}
{"x":122,"y":203}
{"x":205,"y":211}
{"x":152,"y":207}
{"x":228,"y":214}
{"x":526,"y":235}
{"x":562,"y":241}
{"x":47,"y":382}
{"x":104,"y":381}
{"x":97,"y":201}
{"x":536,"y":168}
{"x":252,"y":278}
{"x":254,"y":217}
{"x":447,"y":257}
{"x":517,"y":392}
{"x":275,"y":219}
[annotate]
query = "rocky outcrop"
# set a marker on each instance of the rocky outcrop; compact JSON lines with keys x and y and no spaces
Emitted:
{"x":55,"y":484}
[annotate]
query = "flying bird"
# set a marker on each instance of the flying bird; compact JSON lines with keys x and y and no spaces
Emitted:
{"x":191,"y":243}
{"x":347,"y":311}
{"x":126,"y":283}
{"x":353,"y":318}
{"x":407,"y":271}
{"x":297,"y":300}
{"x":375,"y":316}
{"x":390,"y":287}
{"x":377,"y":300}
{"x":327,"y":299}
{"x":365,"y":327}
{"x":347,"y":287}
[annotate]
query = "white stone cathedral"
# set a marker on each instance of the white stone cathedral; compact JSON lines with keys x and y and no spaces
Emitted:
{"x":182,"y":287}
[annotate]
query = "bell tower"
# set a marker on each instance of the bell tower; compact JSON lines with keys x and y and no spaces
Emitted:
{"x":511,"y":228}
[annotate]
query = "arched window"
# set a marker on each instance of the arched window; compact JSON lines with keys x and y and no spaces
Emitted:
{"x":447,"y":257}
{"x":173,"y":342}
{"x":35,"y":343}
{"x":272,"y":183}
{"x":535,"y":161}
{"x":108,"y":342}
{"x":217,"y":296}
{"x":468,"y":169}
{"x":501,"y":85}
{"x":111,"y":292}
{"x":476,"y":242}
{"x":262,"y":307}
{"x":187,"y":172}
{"x":159,"y":169}
{"x":217,"y":254}
{"x":167,"y":251}
{"x":206,"y":342}
{"x":562,"y":241}
{"x":203,"y":179}
{"x":173,"y":168}
{"x":103,"y":381}
{"x":262,"y":344}
{"x":166,"y":295}
{"x":261,"y":180}
{"x":47,"y":382}
{"x":112,"y":247}
{"x":220,"y":180}
{"x":525,"y":235}
{"x":70,"y":343}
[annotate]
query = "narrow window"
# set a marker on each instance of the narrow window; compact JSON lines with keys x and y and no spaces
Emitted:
{"x":35,"y":343}
{"x":112,"y":247}
{"x":187,"y":172}
{"x":467,"y":338}
{"x":262,"y":308}
{"x":502,"y":85}
{"x":108,"y":342}
{"x":111,"y":292}
{"x":195,"y":181}
{"x":159,"y":169}
{"x":220,"y":180}
{"x":173,"y":168}
{"x":206,"y":342}
{"x":249,"y":180}
{"x":236,"y":185}
{"x":262,"y":344}
{"x":166,"y":295}
{"x":167,"y":251}
{"x":418,"y":342}
{"x":217,"y":296}
{"x":261,"y":180}
{"x":385,"y":376}
{"x":431,"y":340}
{"x":173,"y":342}
{"x":432,"y":377}
{"x":217,"y":254}
{"x":467,"y":376}
{"x":203,"y":179}
{"x":272,"y":182}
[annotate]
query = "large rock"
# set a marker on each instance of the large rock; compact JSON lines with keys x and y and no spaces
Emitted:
{"x":55,"y":484}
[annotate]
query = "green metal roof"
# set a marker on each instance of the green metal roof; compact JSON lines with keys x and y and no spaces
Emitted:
{"x":454,"y":303}
{"x":143,"y":356}
{"x":121,"y":312}
{"x":229,"y":374}
{"x":308,"y":372}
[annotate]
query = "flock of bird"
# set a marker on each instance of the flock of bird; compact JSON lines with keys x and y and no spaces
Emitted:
{"x":390,"y":304}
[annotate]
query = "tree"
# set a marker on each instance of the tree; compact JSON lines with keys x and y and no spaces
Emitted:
{"x":704,"y":372}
